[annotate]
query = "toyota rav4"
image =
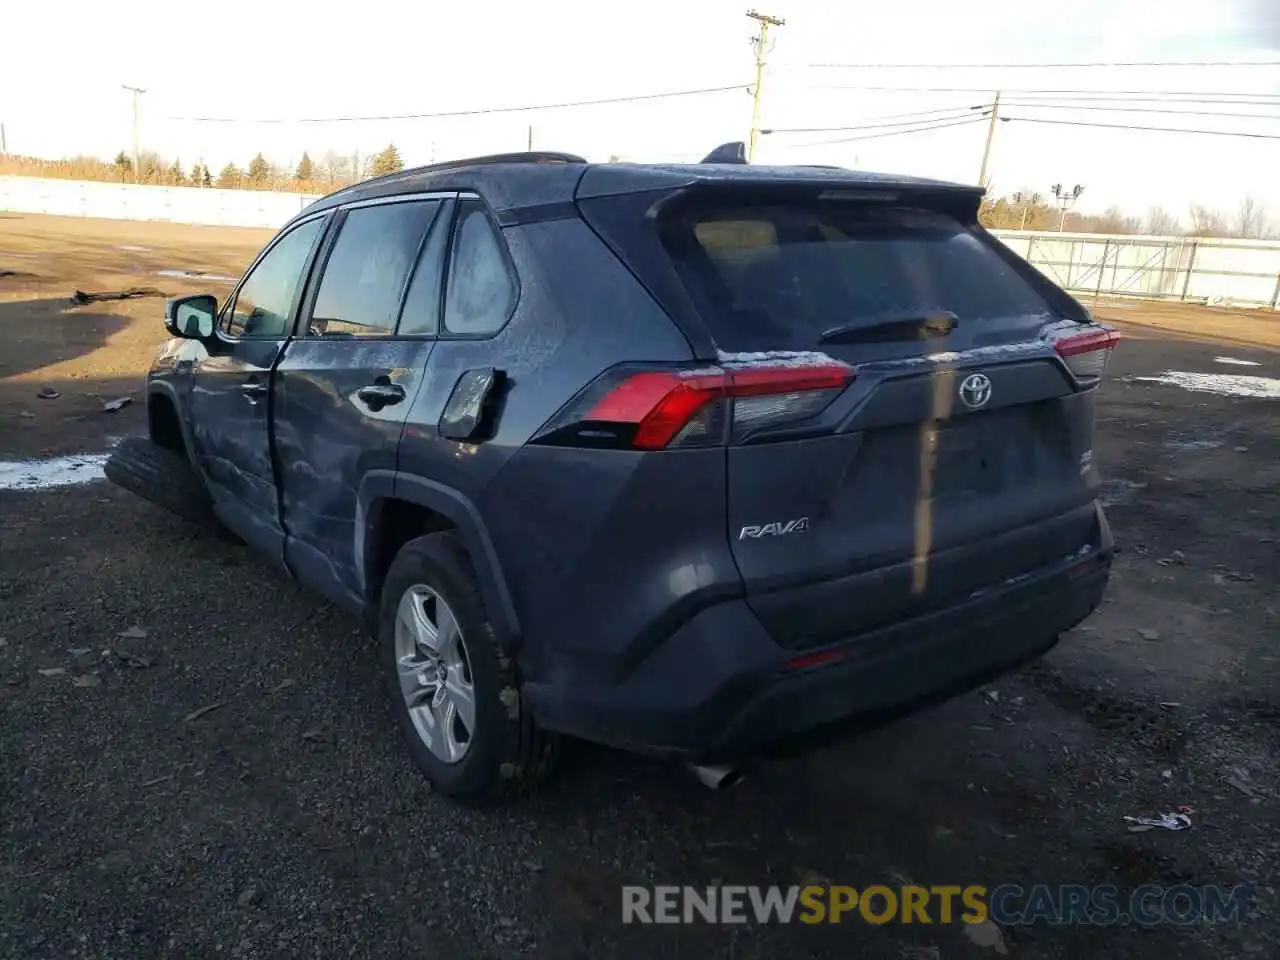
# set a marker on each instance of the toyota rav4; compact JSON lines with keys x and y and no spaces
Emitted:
{"x":688,"y":459}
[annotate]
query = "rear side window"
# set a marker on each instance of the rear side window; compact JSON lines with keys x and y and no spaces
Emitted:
{"x":776,"y":277}
{"x":365,"y":275}
{"x":481,"y":291}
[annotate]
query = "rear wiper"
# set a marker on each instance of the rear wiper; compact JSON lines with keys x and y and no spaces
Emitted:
{"x":923,"y":327}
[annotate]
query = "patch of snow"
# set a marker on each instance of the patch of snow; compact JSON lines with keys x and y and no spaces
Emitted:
{"x":188,"y":275}
{"x":1236,"y":363}
{"x":1115,"y":492}
{"x":1224,"y":385}
{"x":776,"y":358}
{"x":54,"y":472}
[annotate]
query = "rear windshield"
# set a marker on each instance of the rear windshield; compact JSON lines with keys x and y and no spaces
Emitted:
{"x":776,"y":277}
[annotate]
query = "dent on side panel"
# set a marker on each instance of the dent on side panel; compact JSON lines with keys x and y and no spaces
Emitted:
{"x":327,"y":439}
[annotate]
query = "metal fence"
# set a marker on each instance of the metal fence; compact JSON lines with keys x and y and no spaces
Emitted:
{"x":1243,"y":273}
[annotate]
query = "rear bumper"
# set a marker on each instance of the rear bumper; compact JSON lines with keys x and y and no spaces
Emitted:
{"x":721,"y":689}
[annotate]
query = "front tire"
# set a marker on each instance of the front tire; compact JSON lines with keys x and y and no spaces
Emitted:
{"x":455,"y":694}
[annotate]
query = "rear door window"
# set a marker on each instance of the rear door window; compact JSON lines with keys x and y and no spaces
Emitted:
{"x":364,"y":278}
{"x":777,"y":277}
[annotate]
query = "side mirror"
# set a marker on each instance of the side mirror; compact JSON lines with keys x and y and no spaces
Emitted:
{"x":191,"y":317}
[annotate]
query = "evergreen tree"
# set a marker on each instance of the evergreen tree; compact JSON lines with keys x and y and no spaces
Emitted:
{"x":388,"y":161}
{"x":306,"y":170}
{"x":258,"y":171}
{"x":230,"y":177}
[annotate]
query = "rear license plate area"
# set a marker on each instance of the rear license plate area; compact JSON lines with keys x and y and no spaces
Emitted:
{"x":964,"y":460}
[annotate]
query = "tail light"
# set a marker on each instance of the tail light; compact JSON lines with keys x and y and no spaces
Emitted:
{"x":639,"y":408}
{"x":1086,"y":354}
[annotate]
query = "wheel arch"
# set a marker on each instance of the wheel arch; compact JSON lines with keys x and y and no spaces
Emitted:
{"x":381,"y":488}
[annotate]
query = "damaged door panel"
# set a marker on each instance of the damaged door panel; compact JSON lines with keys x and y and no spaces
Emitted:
{"x":344,"y":387}
{"x":231,"y":394}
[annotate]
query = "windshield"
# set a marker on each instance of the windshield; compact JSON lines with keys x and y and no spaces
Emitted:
{"x":776,"y":277}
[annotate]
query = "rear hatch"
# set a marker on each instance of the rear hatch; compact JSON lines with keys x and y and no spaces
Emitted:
{"x":913,"y":418}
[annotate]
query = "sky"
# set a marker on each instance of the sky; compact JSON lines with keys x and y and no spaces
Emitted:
{"x":64,"y":64}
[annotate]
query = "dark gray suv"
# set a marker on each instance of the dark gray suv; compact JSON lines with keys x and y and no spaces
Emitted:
{"x":688,"y":459}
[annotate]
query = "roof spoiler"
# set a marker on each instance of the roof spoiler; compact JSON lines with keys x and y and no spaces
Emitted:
{"x":733,"y":152}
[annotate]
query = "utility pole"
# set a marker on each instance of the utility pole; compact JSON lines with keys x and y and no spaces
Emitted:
{"x":760,"y":42}
{"x":991,"y":135}
{"x":1065,"y":199}
{"x":137,"y":92}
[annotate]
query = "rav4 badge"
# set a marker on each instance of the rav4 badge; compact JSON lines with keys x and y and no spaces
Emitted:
{"x":754,"y":531}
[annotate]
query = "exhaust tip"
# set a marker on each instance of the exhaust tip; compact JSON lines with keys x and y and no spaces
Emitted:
{"x":715,"y":777}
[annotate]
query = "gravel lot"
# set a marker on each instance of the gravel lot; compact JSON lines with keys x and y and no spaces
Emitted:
{"x":196,"y":759}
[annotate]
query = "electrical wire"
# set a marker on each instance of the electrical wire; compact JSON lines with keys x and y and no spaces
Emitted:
{"x":1184,"y":113}
{"x":1123,"y":126}
{"x":1039,"y":66}
{"x":889,"y":133}
{"x":1013,"y":90}
{"x":525,"y":108}
{"x":919,"y":117}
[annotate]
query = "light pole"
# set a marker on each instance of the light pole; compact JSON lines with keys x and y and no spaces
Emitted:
{"x":137,"y":92}
{"x":760,"y":42}
{"x":1065,"y":199}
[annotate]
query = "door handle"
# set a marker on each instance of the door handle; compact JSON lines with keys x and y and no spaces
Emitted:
{"x":379,"y":395}
{"x":253,"y":392}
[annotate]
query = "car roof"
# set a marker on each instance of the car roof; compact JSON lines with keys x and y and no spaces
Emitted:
{"x":515,"y":181}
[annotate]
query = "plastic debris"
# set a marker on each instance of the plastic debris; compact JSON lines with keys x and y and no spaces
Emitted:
{"x":111,"y":406}
{"x":1179,"y":819}
{"x":133,"y":633}
{"x":80,"y":296}
{"x":1148,"y":634}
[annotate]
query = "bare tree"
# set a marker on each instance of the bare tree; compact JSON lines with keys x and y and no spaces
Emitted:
{"x":1207,"y":222}
{"x":1251,"y":219}
{"x":1161,"y":223}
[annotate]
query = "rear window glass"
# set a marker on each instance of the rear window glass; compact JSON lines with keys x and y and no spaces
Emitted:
{"x":776,"y":277}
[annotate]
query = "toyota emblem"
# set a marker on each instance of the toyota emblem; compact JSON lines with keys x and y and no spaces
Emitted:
{"x":975,"y":390}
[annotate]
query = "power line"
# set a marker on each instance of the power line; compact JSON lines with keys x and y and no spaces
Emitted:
{"x":920,"y":116}
{"x":524,"y":108}
{"x":1015,"y":90}
{"x":1039,"y":66}
{"x":1123,"y":126}
{"x":1185,"y":113}
{"x":891,"y":133}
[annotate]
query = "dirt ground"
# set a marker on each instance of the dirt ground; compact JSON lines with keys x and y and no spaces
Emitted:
{"x":287,"y":821}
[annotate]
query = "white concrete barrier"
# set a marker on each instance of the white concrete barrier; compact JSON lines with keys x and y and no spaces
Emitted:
{"x":127,"y":201}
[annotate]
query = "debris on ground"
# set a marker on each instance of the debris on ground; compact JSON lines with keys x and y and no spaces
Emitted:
{"x":52,"y":671}
{"x":86,"y":680}
{"x":48,"y":393}
{"x":1179,"y":819}
{"x":133,"y":633}
{"x":111,"y":406}
{"x":137,"y":661}
{"x":312,"y":736}
{"x":1148,"y":634}
{"x":248,"y":897}
{"x":986,"y":934}
{"x":1241,"y":781}
{"x":283,"y":685}
{"x":81,"y":297}
{"x":26,"y":415}
{"x":156,"y":781}
{"x":197,"y":714}
{"x":991,"y":696}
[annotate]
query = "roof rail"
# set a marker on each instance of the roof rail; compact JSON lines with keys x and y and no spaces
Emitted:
{"x":528,"y":156}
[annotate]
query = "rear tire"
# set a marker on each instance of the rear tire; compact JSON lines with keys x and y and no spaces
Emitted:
{"x":505,"y":753}
{"x":158,"y":474}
